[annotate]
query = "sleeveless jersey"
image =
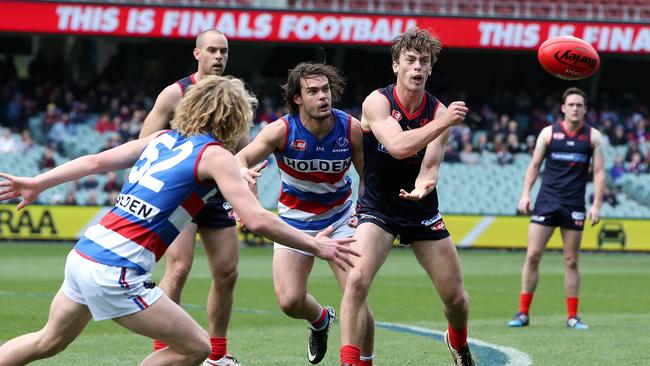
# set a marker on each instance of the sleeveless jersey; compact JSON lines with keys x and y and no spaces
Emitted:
{"x":185,"y":83}
{"x":160,"y":196}
{"x":316,"y":192}
{"x":384,"y":175}
{"x":566,"y":170}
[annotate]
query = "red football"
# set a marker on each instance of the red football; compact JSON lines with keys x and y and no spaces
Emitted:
{"x":568,"y":58}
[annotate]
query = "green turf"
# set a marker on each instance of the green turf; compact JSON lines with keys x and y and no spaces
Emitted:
{"x":615,"y":303}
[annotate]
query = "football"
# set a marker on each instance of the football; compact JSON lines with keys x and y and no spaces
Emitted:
{"x":568,"y":58}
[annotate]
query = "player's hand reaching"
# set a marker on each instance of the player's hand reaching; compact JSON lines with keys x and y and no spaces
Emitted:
{"x":335,"y":250}
{"x":524,"y":205}
{"x":14,"y":187}
{"x":594,"y":215}
{"x":250,"y":175}
{"x":421,"y":190}
{"x":455,"y":113}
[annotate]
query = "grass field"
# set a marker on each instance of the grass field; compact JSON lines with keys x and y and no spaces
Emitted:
{"x":615,"y":302}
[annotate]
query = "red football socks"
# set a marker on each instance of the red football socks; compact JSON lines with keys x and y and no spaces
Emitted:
{"x":350,"y":355}
{"x":457,"y":338}
{"x":158,"y":345}
{"x":572,"y":307}
{"x":219,"y":347}
{"x":525,"y":298}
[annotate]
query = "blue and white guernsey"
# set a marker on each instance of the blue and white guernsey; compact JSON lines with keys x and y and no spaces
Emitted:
{"x":316,"y":192}
{"x":160,"y":197}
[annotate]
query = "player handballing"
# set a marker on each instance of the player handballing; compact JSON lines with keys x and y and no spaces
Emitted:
{"x":568,"y":147}
{"x":405,"y":133}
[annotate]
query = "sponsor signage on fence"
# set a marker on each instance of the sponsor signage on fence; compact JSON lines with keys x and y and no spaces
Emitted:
{"x":309,"y":27}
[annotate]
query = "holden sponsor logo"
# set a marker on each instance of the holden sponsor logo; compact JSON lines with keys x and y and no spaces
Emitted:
{"x":583,"y":138}
{"x":299,"y":145}
{"x":558,"y":136}
{"x":396,"y":115}
{"x":318,"y":165}
{"x":538,"y":218}
{"x":571,"y":58}
{"x":342,"y":141}
{"x":137,"y":207}
{"x":571,"y":143}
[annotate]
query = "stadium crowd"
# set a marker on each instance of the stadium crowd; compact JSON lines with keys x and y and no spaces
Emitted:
{"x":48,"y":108}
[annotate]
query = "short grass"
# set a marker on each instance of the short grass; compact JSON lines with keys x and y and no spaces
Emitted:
{"x":615,"y":302}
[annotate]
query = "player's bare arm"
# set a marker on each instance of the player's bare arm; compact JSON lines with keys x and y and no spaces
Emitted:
{"x":598,"y":166}
{"x":268,"y":140}
{"x":356,"y":134}
{"x":120,"y":157}
{"x":162,"y":111}
{"x":533,"y":169}
{"x":429,"y":168}
{"x":219,"y":165}
{"x":402,"y":144}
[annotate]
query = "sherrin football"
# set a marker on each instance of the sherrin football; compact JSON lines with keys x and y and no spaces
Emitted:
{"x":568,"y":58}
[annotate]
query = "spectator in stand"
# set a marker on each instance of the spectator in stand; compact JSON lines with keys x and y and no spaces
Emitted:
{"x":608,"y":129}
{"x":637,"y":165}
{"x":619,"y":137}
{"x":47,"y":161}
{"x":104,"y":124}
{"x":529,"y":147}
{"x":89,"y":184}
{"x":91,"y":200}
{"x":451,"y":153}
{"x":503,"y":155}
{"x":482,"y":144}
{"x":112,"y":184}
{"x":52,"y":116}
{"x":15,"y":111}
{"x":59,"y":131}
{"x":617,"y":171}
{"x":468,"y":156}
{"x":633,"y":148}
{"x":512,"y":143}
{"x":7,"y":142}
{"x":268,"y":115}
{"x":26,"y":143}
{"x":639,"y":133}
{"x":70,"y":199}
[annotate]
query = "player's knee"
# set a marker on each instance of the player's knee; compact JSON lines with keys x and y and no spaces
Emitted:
{"x":534,"y":259}
{"x":357,"y":284}
{"x":291,"y":304}
{"x":457,"y":300}
{"x":571,"y":262}
{"x":50,"y":346}
{"x":199,"y":348}
{"x":226,"y":276}
{"x":177,"y":271}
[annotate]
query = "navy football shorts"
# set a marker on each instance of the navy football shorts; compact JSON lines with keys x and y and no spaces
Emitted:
{"x":217,"y":213}
{"x":556,"y":214}
{"x":408,"y":230}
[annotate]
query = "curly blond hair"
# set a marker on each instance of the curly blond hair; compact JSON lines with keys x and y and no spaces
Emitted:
{"x":219,"y":105}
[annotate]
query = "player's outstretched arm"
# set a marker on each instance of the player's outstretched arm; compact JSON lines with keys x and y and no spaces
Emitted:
{"x":268,"y":140}
{"x":120,"y":157}
{"x":533,"y":170}
{"x":427,"y":178}
{"x":598,"y":166}
{"x":162,"y":111}
{"x":219,"y":165}
{"x":402,"y":144}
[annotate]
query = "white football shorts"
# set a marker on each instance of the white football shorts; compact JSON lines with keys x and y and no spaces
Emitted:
{"x":108,"y":291}
{"x":341,"y":230}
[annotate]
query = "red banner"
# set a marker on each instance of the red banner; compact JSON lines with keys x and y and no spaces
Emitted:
{"x":287,"y":26}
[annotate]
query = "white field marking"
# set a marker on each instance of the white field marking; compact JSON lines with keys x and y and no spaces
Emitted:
{"x":476,"y":231}
{"x":514,"y":356}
